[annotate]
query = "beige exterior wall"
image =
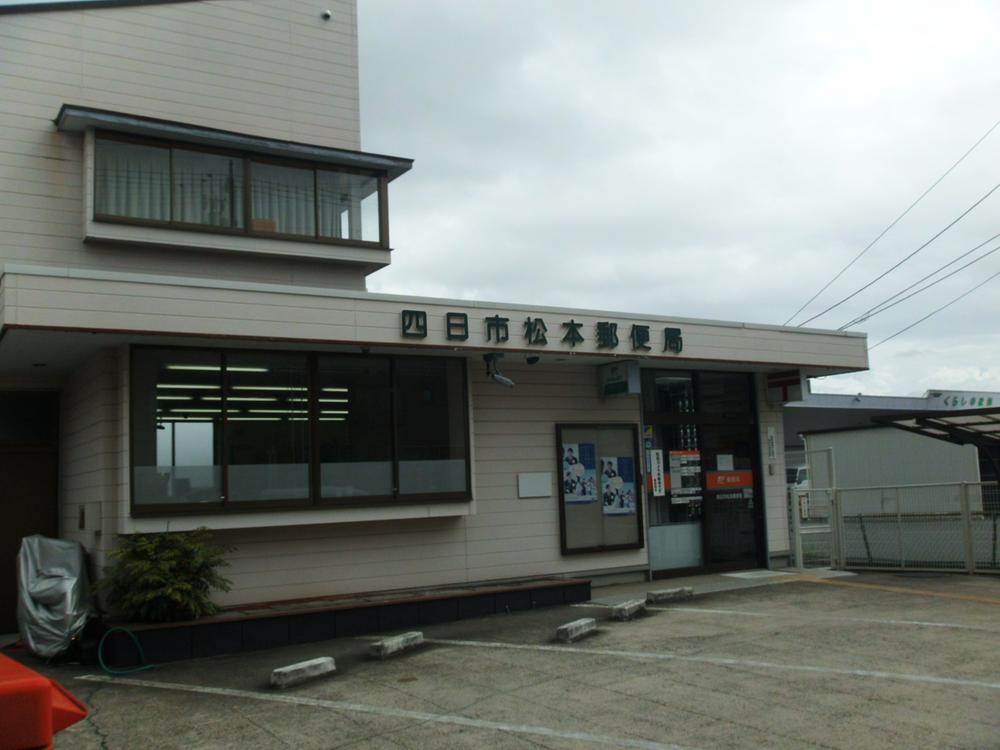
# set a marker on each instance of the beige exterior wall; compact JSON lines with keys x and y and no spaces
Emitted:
{"x":769,"y":417}
{"x":90,"y":454}
{"x":514,"y":431}
{"x":270,"y":68}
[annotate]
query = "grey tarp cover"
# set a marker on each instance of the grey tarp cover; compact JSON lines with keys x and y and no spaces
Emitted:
{"x":53,"y":598}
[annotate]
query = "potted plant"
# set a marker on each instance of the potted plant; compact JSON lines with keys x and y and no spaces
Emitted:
{"x":165,"y":577}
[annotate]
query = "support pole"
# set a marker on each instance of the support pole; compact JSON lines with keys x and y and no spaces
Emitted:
{"x":970,"y":556}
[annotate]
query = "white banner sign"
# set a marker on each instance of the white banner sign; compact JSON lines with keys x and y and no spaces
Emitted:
{"x":656,"y":472}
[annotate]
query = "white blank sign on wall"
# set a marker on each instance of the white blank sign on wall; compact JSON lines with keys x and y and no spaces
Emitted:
{"x":534,"y":484}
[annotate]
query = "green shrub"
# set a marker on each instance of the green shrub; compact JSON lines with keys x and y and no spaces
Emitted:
{"x":165,"y":577}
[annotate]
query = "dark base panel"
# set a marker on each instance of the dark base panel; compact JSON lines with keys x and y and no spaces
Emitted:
{"x":177,"y":641}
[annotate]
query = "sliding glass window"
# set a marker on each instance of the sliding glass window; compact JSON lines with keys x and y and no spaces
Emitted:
{"x":355,"y":427}
{"x":132,"y":180}
{"x":177,"y":427}
{"x":224,"y":430}
{"x":194,"y":188}
{"x":431,"y":425}
{"x":267,"y":426}
{"x":208,"y":189}
{"x":284,"y":199}
{"x":348,"y":206}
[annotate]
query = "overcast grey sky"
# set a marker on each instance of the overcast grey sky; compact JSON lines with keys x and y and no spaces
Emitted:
{"x":713,"y":160}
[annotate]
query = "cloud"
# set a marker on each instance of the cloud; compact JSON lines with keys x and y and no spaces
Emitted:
{"x":717,"y":160}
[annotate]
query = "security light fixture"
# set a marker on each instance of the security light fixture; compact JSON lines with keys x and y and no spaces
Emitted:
{"x":493,"y":372}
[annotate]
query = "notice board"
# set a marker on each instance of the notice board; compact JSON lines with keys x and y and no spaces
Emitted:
{"x":600,"y":487}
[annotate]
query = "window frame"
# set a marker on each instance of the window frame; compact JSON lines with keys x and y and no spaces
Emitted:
{"x":315,"y":501}
{"x":247,"y":158}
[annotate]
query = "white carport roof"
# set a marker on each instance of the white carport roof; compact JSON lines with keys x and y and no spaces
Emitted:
{"x":979,"y":427}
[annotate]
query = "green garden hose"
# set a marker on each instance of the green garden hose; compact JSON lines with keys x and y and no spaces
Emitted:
{"x":130,"y":670}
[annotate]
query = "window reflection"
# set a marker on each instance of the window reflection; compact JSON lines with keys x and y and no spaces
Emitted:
{"x":238,"y":427}
{"x":355,"y":427}
{"x":267,"y":426}
{"x":431,"y":426}
{"x":176,"y":427}
{"x":668,"y":392}
{"x":208,"y":189}
{"x":348,"y":206}
{"x":167,"y":184}
{"x":132,"y":180}
{"x":284,"y":199}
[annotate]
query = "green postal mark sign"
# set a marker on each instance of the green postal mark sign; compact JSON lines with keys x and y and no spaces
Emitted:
{"x":618,"y":379}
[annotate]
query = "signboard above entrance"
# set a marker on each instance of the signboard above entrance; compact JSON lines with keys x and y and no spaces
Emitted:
{"x":605,"y":334}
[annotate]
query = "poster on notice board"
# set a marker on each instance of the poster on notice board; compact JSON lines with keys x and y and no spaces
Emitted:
{"x":579,"y":469}
{"x":618,"y":485}
{"x":685,"y":476}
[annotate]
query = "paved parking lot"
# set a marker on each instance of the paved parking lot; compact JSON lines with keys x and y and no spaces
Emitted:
{"x":870,"y":661}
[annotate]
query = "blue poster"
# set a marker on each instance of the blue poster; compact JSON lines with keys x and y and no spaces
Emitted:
{"x":579,"y":469}
{"x":618,"y":485}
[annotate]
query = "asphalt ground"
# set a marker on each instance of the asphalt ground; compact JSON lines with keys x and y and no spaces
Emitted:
{"x":871,"y":661}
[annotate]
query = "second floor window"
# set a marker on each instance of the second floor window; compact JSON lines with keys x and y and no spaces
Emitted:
{"x":171,"y":185}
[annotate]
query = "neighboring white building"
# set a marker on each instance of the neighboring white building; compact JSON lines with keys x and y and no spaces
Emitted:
{"x":820,"y":414}
{"x":186,"y":228}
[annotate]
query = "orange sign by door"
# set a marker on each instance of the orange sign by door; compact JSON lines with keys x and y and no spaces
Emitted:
{"x":724,"y":480}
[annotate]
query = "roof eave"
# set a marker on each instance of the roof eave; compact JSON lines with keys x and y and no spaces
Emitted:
{"x":77,"y":119}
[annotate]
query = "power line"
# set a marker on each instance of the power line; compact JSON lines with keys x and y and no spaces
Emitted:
{"x":935,"y":312}
{"x":891,"y":225}
{"x":882,"y":306}
{"x":933,"y":283}
{"x":885,"y":273}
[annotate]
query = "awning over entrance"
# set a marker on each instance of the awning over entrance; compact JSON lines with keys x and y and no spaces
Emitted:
{"x":979,"y":427}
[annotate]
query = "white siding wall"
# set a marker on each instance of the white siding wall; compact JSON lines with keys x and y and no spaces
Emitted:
{"x":775,"y":490}
{"x":272,"y":68}
{"x":515,"y":432}
{"x":302,"y":561}
{"x":90,"y":453}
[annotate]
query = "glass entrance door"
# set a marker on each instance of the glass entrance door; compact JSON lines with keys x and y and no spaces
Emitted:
{"x":706,"y":514}
{"x":729,"y":515}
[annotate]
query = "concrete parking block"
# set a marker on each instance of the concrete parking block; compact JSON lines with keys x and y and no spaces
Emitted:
{"x":628,"y":610}
{"x":396,"y":644}
{"x":574,"y":631}
{"x":669,"y":595}
{"x":295,"y":674}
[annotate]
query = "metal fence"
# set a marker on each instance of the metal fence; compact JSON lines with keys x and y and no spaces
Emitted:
{"x":809,"y":513}
{"x":809,"y":516}
{"x":948,"y":526}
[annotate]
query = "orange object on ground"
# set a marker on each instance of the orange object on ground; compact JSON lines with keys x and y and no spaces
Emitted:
{"x":33,"y":707}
